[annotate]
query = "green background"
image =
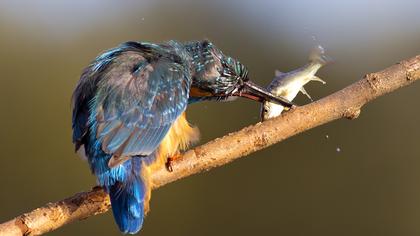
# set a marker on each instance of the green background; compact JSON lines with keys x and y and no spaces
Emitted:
{"x":301,"y":186}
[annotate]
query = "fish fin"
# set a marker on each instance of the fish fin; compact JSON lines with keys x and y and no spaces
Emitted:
{"x":317,"y":55}
{"x":316,"y":78}
{"x":302,"y":90}
{"x":278,"y":73}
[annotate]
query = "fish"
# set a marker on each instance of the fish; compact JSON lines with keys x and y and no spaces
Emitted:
{"x":288,"y":85}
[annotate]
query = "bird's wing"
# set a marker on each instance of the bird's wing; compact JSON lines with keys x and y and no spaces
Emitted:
{"x":136,"y":101}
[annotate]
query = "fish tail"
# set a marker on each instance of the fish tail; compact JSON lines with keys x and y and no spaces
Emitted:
{"x":318,"y":56}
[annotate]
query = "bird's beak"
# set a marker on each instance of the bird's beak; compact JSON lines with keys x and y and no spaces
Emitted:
{"x":257,"y":93}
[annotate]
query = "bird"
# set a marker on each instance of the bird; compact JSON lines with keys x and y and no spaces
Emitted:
{"x":289,"y":84}
{"x":128,"y":113}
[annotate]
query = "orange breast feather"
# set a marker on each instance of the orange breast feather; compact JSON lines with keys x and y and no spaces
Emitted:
{"x":179,"y":137}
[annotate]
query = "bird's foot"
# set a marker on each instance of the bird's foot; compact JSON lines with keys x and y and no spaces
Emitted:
{"x":170,"y":160}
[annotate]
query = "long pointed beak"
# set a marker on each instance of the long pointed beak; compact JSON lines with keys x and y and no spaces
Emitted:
{"x":257,"y":93}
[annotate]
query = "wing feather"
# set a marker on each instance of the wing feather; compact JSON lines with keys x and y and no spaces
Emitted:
{"x":135,"y":96}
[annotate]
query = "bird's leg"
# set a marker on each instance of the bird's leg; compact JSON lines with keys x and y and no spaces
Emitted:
{"x":169,"y":161}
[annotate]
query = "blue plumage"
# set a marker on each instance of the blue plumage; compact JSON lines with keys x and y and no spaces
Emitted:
{"x":124,"y":105}
{"x":127,"y":197}
{"x":130,"y":98}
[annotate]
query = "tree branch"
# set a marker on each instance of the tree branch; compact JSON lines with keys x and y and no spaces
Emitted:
{"x":345,"y":103}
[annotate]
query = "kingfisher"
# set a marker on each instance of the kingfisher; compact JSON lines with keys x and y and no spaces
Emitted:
{"x":129,"y":113}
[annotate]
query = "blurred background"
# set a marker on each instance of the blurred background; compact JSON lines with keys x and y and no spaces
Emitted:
{"x":361,"y":180}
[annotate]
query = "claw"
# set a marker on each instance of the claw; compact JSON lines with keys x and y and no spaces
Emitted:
{"x":170,"y":160}
{"x":168,"y":164}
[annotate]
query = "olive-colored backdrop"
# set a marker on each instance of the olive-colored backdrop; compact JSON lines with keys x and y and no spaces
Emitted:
{"x":302,"y":186}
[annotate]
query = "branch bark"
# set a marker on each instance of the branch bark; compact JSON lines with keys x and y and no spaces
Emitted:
{"x":346,"y":103}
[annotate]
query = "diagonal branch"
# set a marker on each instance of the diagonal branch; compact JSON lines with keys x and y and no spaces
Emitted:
{"x":345,"y":103}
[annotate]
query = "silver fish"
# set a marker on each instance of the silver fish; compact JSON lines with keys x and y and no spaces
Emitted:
{"x":288,"y":85}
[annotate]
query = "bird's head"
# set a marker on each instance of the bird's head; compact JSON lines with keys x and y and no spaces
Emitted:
{"x":216,"y":76}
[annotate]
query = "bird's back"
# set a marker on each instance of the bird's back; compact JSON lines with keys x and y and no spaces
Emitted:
{"x":124,"y":106}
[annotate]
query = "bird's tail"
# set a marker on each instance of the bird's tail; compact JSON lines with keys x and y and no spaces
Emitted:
{"x":130,"y":196}
{"x":318,"y":56}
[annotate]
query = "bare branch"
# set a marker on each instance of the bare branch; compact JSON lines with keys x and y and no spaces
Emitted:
{"x":345,"y":103}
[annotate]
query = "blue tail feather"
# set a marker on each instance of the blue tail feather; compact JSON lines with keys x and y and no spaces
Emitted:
{"x":127,"y":198}
{"x":125,"y":185}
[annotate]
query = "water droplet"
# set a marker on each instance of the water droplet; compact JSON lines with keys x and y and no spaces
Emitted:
{"x":338,"y":149}
{"x":142,"y":18}
{"x":327,"y":136}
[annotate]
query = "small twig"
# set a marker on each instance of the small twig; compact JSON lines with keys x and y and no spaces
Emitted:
{"x":345,"y":103}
